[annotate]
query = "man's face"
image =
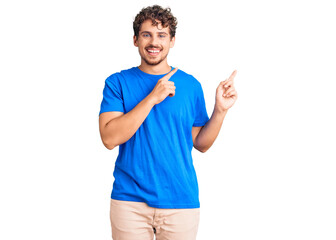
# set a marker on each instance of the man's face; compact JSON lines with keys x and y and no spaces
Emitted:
{"x":153,"y":42}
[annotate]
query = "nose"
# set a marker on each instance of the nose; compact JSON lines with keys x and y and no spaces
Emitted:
{"x":154,"y":40}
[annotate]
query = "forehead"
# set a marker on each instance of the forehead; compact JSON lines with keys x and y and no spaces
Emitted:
{"x":148,"y":26}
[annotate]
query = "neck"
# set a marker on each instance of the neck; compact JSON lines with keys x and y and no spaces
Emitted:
{"x":161,"y":68}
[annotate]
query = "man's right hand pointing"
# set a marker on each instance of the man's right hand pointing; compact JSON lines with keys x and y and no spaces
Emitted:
{"x":163,"y":88}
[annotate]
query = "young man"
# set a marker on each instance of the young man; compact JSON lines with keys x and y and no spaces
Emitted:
{"x":156,"y":114}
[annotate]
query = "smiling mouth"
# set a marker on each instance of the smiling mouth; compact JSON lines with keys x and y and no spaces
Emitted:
{"x":153,"y":51}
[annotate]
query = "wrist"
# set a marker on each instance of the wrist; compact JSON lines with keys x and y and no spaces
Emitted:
{"x":151,"y":100}
{"x":219,"y":110}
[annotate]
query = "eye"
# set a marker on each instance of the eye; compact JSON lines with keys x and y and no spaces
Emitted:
{"x":162,"y":36}
{"x":145,"y":35}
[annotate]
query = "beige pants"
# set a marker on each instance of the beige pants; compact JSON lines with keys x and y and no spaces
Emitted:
{"x":138,"y":221}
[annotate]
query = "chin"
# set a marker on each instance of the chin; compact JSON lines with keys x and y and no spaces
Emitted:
{"x":153,"y":62}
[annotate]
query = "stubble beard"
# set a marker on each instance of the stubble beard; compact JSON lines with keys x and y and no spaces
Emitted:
{"x":153,"y":62}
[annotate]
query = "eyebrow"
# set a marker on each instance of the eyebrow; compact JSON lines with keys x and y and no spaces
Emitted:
{"x":151,"y":33}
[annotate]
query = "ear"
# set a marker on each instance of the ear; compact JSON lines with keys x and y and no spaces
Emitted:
{"x":172,"y":42}
{"x":135,"y":41}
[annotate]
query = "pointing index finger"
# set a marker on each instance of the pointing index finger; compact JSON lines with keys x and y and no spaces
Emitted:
{"x":233,"y":75}
{"x":171,"y":73}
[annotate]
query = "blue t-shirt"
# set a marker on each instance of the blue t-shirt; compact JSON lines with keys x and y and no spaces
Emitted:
{"x":155,"y":165}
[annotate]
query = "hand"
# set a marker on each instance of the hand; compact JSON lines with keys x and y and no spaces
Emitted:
{"x":163,"y":88}
{"x":226,"y":95}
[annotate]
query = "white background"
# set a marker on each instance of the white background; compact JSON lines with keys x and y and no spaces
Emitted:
{"x":269,"y":175}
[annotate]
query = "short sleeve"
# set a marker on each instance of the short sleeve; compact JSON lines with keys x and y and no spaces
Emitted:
{"x":201,"y":115}
{"x":112,"y":96}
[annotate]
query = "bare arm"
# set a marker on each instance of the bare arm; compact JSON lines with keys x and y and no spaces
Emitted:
{"x":208,"y":133}
{"x":117,"y":128}
{"x":226,"y":95}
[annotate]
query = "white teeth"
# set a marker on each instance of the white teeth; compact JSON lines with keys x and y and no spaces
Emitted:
{"x":153,"y":51}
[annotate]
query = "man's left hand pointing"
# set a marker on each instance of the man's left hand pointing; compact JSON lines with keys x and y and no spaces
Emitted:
{"x":226,"y":95}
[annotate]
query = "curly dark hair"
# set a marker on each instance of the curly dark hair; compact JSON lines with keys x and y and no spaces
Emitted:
{"x":154,"y":13}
